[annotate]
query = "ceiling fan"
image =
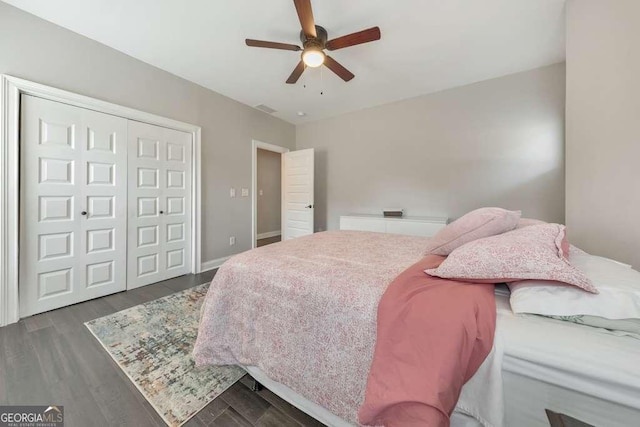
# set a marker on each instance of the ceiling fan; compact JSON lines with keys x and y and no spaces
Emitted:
{"x":314,"y":42}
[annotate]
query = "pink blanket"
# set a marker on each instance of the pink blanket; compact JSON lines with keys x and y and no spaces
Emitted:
{"x":433,"y":335}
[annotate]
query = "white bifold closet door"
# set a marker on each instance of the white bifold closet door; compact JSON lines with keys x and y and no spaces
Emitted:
{"x":159,"y":204}
{"x":73,"y":204}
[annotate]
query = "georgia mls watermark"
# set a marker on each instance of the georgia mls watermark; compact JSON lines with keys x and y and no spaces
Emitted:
{"x":31,"y":416}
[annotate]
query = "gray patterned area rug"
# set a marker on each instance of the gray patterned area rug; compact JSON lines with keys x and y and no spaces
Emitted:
{"x":152,"y":344}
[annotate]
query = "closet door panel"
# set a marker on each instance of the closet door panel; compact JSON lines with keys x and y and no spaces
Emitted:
{"x":177,"y":200}
{"x":50,"y":237}
{"x":159,"y":204}
{"x":104,"y":227}
{"x":145,"y":261}
{"x":55,"y":237}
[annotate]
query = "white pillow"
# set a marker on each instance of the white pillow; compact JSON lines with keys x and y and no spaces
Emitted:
{"x":619,"y":288}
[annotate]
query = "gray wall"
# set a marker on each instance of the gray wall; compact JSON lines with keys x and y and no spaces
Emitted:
{"x":494,"y":143}
{"x":269,"y":182}
{"x":37,"y":50}
{"x":603,"y":127}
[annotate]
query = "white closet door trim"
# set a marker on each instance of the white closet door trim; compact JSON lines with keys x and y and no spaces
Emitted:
{"x":10,"y":90}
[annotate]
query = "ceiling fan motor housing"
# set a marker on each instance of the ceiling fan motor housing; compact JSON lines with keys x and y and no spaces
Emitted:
{"x":318,"y":42}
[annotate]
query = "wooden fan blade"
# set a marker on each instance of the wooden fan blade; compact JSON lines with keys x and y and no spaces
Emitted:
{"x":305,"y":14}
{"x":364,"y":36}
{"x":334,"y":66}
{"x":297,"y":72}
{"x":272,"y":45}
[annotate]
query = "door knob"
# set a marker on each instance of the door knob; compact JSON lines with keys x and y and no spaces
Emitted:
{"x":83,"y":213}
{"x":161,"y":212}
{"x":309,"y":207}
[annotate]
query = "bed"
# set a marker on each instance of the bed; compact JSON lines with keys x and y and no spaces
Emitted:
{"x":533,"y":379}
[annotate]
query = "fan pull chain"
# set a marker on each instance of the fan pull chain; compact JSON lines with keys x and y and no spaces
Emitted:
{"x":304,"y":76}
{"x":321,"y":82}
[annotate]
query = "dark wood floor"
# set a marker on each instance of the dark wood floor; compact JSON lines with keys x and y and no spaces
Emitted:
{"x":268,"y":241}
{"x":52,"y":359}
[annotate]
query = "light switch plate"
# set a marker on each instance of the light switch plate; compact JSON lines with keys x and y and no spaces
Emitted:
{"x":232,"y":192}
{"x":245,"y":192}
{"x":261,"y":193}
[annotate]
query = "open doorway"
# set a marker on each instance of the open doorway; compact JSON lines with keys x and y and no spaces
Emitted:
{"x":268,"y":207}
{"x":267,"y":193}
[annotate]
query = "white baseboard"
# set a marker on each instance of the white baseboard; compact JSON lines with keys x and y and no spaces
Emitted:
{"x":268,"y":234}
{"x":214,"y":263}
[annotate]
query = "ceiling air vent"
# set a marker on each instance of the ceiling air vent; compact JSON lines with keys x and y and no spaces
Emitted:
{"x":265,"y":108}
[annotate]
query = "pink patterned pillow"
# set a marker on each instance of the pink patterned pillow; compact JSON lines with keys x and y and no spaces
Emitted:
{"x":529,"y":253}
{"x":475,"y":225}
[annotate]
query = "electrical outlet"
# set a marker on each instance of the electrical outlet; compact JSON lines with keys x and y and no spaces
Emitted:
{"x":232,"y":240}
{"x":260,"y":193}
{"x":232,"y":192}
{"x":245,"y":192}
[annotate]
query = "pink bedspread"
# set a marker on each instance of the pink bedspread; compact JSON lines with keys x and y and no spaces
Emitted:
{"x":304,"y":312}
{"x":433,"y":335}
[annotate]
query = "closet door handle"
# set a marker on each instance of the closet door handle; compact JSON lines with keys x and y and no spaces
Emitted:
{"x":161,"y":212}
{"x":83,"y":213}
{"x":309,"y":207}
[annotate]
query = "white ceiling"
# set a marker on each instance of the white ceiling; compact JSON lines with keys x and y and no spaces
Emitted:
{"x":426,"y":45}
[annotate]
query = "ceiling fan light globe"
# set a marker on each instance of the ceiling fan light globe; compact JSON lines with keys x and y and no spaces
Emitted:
{"x":313,"y":58}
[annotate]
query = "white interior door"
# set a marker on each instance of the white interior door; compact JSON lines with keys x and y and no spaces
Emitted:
{"x":297,"y":193}
{"x":73,"y":205}
{"x":159,"y":204}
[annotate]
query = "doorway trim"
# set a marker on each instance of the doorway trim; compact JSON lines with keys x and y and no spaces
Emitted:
{"x":255,"y":145}
{"x":10,"y":90}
